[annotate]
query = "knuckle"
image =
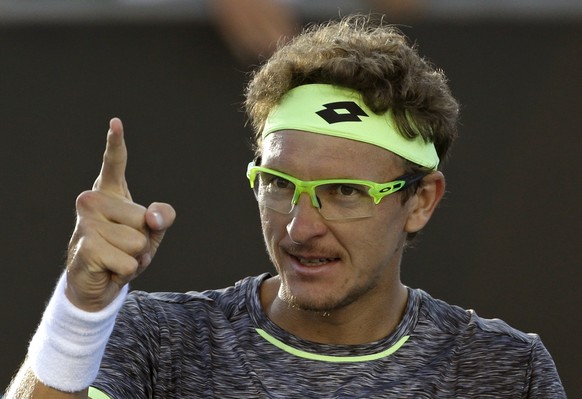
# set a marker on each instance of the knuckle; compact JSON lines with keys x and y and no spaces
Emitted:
{"x":85,"y":247}
{"x":127,"y":269}
{"x":87,"y":200}
{"x":84,"y":227}
{"x":113,"y":156}
{"x":138,"y":243}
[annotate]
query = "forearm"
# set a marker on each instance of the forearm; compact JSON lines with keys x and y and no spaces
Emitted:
{"x":25,"y":385}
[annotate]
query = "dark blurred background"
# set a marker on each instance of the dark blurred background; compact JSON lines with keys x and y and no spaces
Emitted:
{"x":506,"y":241}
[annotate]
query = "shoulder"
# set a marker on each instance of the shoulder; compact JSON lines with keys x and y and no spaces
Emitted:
{"x":456,"y":320}
{"x":226,"y":301}
{"x":151,"y":328}
{"x":489,"y":349}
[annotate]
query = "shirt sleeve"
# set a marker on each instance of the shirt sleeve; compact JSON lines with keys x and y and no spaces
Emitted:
{"x":544,"y":381}
{"x":131,"y":356}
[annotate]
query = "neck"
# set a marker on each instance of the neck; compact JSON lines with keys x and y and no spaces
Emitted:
{"x":366,"y":320}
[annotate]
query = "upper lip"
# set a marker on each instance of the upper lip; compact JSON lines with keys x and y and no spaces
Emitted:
{"x":308,"y":251}
{"x":310,"y":256}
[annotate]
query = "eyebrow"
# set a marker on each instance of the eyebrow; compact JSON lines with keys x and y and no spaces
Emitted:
{"x":344,"y":177}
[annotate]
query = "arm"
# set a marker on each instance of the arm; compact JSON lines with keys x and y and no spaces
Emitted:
{"x":544,"y":381}
{"x":113,"y":242}
{"x":26,"y":385}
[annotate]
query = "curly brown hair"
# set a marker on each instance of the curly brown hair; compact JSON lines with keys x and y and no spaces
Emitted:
{"x":362,"y":53}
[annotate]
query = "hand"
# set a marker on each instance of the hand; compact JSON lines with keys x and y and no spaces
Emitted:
{"x":115,"y":239}
{"x":252,"y":28}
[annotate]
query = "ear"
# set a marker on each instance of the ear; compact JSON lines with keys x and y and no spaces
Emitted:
{"x":425,"y":201}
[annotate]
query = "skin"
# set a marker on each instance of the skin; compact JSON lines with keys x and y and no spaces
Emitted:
{"x":113,"y":242}
{"x":252,"y":29}
{"x":356,"y":295}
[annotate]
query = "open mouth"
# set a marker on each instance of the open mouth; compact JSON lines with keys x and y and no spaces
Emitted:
{"x":315,"y":261}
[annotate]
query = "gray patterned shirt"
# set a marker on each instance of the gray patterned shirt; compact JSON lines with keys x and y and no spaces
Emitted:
{"x":220,"y":344}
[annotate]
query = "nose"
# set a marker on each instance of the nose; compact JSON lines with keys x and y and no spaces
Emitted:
{"x":307,"y":222}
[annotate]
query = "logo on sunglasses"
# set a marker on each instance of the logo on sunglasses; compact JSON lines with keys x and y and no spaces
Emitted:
{"x":350,"y":112}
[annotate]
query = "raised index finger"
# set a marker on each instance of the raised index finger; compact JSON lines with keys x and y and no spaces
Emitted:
{"x":112,"y":175}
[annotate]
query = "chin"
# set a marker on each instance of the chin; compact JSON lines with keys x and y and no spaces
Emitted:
{"x":317,"y":303}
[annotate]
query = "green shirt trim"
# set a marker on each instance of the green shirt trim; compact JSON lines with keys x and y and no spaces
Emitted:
{"x":94,"y":393}
{"x":331,"y":359}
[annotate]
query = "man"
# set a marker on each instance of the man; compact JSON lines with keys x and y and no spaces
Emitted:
{"x":352,"y":127}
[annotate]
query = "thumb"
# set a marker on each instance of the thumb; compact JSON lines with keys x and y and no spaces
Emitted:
{"x":159,"y":217}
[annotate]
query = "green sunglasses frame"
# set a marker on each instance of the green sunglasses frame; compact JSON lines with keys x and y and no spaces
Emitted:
{"x":376,"y":190}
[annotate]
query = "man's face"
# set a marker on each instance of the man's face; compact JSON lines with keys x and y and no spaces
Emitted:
{"x":326,"y":265}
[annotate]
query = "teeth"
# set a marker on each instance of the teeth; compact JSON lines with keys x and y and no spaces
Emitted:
{"x":314,"y":262}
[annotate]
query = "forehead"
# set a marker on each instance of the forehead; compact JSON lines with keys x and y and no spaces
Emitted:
{"x":316,"y":156}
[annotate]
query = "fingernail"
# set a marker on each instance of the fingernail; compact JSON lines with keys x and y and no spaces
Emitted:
{"x":159,"y":218}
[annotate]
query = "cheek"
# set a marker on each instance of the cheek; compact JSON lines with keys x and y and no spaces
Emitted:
{"x":272,"y":226}
{"x":368,"y":242}
{"x":385,"y":233}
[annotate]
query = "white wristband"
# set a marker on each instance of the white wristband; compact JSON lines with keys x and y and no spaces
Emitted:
{"x":66,"y":350}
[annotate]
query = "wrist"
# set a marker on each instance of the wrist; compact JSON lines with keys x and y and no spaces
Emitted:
{"x":84,"y":302}
{"x":65,"y":352}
